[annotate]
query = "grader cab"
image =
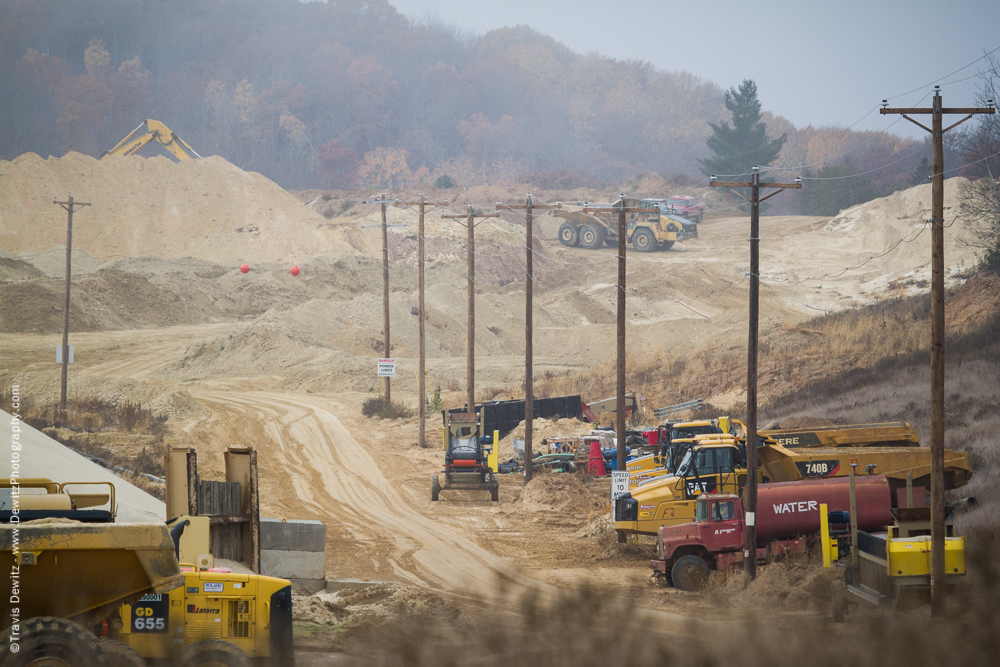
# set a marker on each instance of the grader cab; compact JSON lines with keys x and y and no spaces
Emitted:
{"x":466,"y":457}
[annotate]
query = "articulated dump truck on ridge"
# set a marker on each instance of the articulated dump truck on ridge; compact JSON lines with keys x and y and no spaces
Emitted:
{"x":716,"y":463}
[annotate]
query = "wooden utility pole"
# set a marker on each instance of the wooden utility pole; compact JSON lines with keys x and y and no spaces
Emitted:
{"x":470,"y":358}
{"x":621,"y":209}
{"x":69,"y":205}
{"x":529,"y":358}
{"x":421,"y":317}
{"x":385,"y":298}
{"x":937,"y":112}
{"x":750,"y":544}
{"x":383,"y":202}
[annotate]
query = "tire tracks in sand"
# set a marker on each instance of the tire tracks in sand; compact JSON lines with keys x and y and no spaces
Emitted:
{"x":336,"y":478}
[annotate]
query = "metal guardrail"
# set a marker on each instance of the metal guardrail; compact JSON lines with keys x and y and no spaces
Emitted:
{"x":671,"y":410}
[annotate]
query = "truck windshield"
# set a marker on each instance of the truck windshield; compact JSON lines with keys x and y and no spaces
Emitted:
{"x":701,"y":511}
{"x":677,"y":201}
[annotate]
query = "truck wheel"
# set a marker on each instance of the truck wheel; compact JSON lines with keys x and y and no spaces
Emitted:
{"x":495,"y":493}
{"x":610,"y":242}
{"x":698,"y":218}
{"x":435,"y":488}
{"x":53,"y":642}
{"x":214,"y":652}
{"x":690,"y":573}
{"x":569,"y":234}
{"x":643,"y":240}
{"x":667,"y":245}
{"x":838,"y":606}
{"x":121,"y":655}
{"x":592,"y":236}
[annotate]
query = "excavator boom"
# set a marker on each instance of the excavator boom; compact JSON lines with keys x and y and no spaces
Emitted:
{"x":155,"y":130}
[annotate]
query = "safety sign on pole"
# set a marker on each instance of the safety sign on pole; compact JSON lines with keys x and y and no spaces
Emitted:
{"x":387,"y":368}
{"x":619,"y":483}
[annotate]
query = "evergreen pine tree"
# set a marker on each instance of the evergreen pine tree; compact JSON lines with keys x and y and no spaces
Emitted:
{"x":743,"y":144}
{"x":921,"y":173}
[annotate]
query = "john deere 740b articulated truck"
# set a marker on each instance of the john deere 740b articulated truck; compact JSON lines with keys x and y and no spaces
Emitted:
{"x":719,"y":466}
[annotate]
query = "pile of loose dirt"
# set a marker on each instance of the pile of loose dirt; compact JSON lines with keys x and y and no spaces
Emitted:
{"x":207,"y":208}
{"x":36,"y":306}
{"x":558,"y":492}
{"x":357,"y":618}
{"x":543,"y":428}
{"x":795,"y":584}
{"x":13,"y":269}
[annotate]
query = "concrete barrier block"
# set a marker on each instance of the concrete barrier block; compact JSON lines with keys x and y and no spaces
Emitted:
{"x":293,"y":564}
{"x":292,"y":535}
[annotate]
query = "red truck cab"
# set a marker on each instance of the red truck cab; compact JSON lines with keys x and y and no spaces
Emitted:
{"x":686,"y":553}
{"x":686,"y":206}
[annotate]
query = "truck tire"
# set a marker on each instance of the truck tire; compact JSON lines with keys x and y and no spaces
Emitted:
{"x":838,"y":605}
{"x":610,"y":242}
{"x":698,"y":218}
{"x":592,"y":236}
{"x":690,"y":573}
{"x":666,"y":245}
{"x":53,"y":642}
{"x":213,"y":652}
{"x":495,"y":493}
{"x":569,"y":234}
{"x":644,"y":240}
{"x":118,"y":654}
{"x":435,"y":488}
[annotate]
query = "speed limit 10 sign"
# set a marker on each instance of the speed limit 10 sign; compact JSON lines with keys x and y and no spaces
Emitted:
{"x":619,"y":483}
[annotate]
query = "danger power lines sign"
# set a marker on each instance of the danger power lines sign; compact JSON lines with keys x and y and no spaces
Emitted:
{"x":387,"y":368}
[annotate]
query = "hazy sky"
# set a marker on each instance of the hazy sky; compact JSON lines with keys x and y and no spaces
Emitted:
{"x":819,"y":63}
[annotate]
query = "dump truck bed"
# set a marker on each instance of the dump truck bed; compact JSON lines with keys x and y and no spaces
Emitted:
{"x":83,"y":571}
{"x":782,"y":464}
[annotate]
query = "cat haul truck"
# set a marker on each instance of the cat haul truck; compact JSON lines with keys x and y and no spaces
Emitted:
{"x":89,"y":592}
{"x":720,"y":467}
{"x":657,"y":229}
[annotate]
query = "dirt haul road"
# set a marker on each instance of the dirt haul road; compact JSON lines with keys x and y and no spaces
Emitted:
{"x":324,"y":470}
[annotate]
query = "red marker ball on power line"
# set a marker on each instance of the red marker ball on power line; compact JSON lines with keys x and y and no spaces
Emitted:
{"x":245,"y":268}
{"x":295,"y":270}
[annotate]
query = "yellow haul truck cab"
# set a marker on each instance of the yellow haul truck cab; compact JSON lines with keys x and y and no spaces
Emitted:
{"x":721,"y":468}
{"x":670,"y":499}
{"x":192,"y":623}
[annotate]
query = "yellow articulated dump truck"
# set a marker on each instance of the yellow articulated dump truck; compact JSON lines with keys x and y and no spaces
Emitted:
{"x":88,"y":592}
{"x":720,"y":467}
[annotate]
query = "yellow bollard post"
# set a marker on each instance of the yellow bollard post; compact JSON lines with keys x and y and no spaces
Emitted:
{"x":824,"y":526}
{"x":493,"y":459}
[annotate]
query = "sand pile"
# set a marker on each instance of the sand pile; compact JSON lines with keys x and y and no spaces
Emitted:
{"x":884,"y":243}
{"x":794,"y":584}
{"x":12,"y":269}
{"x":206,"y":208}
{"x":559,"y":492}
{"x":357,"y":618}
